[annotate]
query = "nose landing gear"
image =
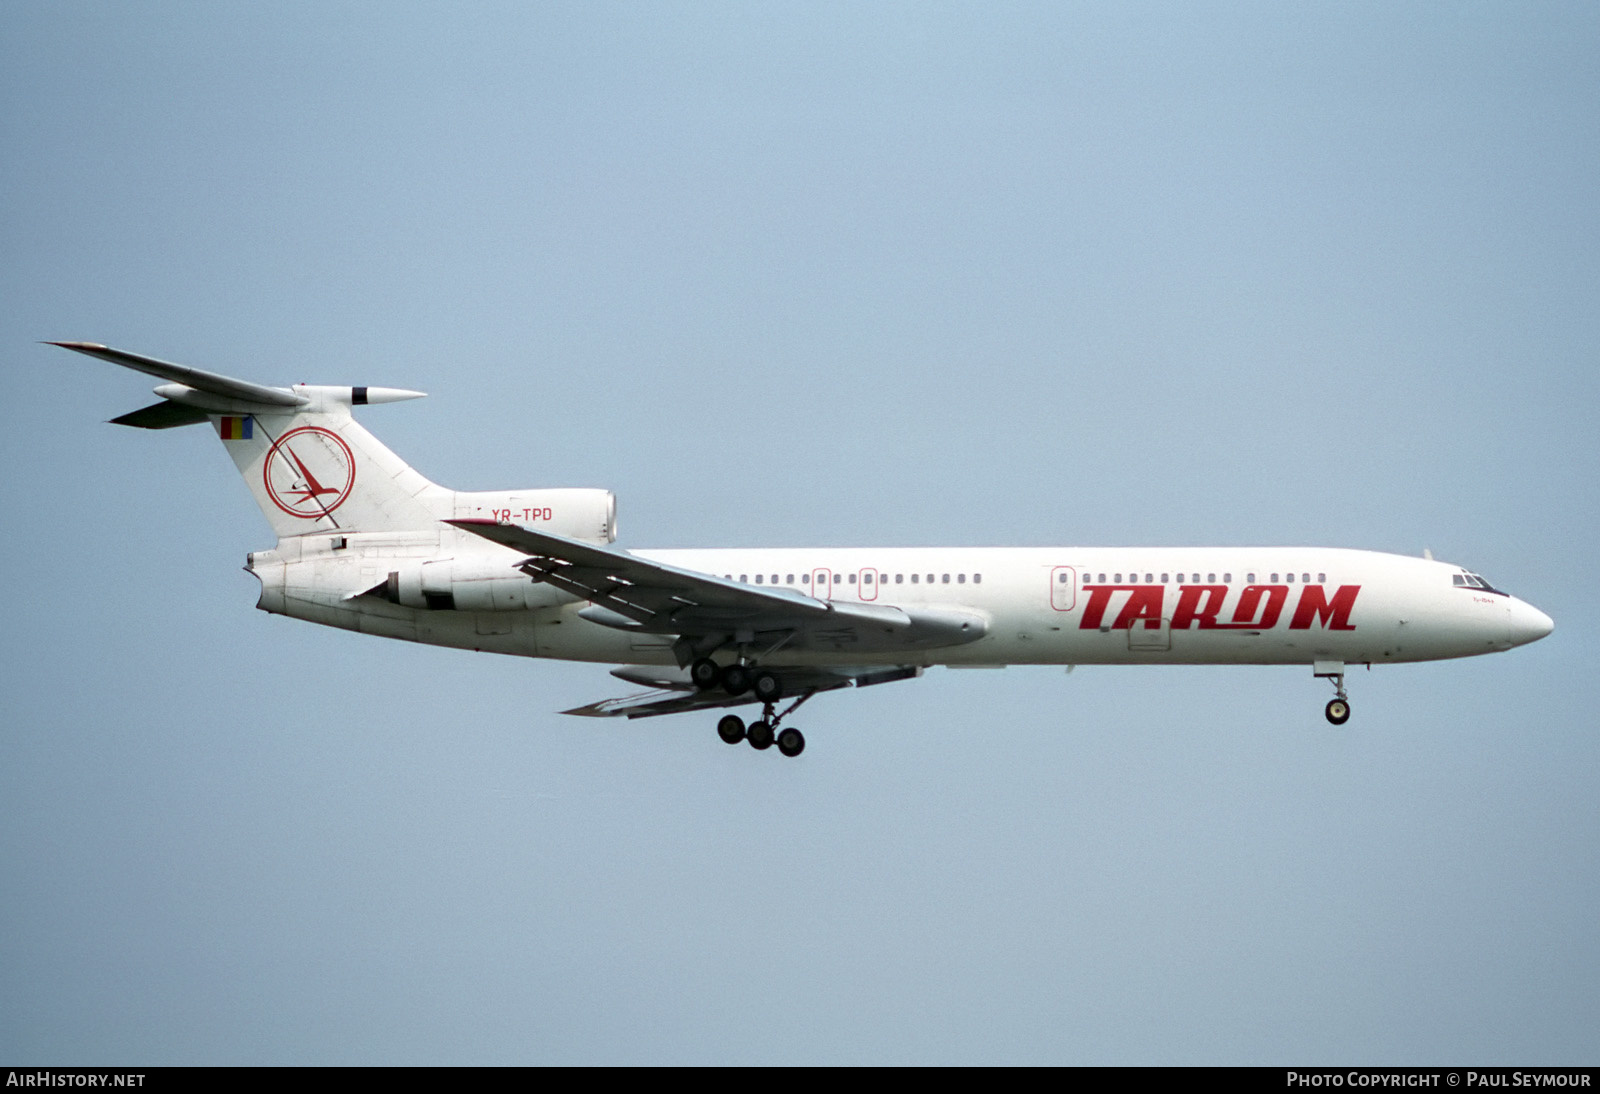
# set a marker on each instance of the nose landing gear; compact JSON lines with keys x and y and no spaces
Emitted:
{"x":1338,"y":709}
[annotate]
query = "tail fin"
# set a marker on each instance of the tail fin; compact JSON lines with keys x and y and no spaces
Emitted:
{"x":309,"y":464}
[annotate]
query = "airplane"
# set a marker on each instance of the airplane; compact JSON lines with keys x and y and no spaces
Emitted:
{"x":368,"y":544}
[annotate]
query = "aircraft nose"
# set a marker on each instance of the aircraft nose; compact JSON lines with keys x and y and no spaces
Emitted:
{"x":1528,"y":624}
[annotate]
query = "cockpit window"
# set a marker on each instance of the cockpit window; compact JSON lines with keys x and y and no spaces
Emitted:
{"x":1476,"y":581}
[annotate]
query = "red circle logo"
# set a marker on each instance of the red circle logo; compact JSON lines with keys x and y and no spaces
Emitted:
{"x":309,"y":472}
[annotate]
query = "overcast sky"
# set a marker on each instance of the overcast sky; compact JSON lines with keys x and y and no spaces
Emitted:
{"x":816,"y":274}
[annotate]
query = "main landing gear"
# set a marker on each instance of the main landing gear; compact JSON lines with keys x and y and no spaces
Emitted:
{"x":764,"y":733}
{"x":736,"y":679}
{"x":1338,"y":708}
{"x":740,"y":678}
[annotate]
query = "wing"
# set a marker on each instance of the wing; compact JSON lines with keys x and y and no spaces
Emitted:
{"x":674,"y":694}
{"x":707,"y":612}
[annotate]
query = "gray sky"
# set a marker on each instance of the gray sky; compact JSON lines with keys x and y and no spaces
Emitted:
{"x":902,"y":274}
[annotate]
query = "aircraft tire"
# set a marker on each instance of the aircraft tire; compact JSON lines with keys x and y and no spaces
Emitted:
{"x":735,"y":679}
{"x":759,"y":735}
{"x":705,"y":673}
{"x":768,"y":688}
{"x":731,"y":728}
{"x":1338,"y":711}
{"x":791,"y":742}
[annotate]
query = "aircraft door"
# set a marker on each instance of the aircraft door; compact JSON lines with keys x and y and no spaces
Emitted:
{"x":867,"y":584}
{"x":1143,"y":636}
{"x":822,"y":584}
{"x":1063,"y":588}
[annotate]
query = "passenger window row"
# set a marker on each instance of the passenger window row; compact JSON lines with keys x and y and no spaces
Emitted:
{"x":867,"y":578}
{"x":1193,"y":579}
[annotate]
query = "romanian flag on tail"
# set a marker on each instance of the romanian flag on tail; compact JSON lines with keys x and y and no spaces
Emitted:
{"x":236,"y":429}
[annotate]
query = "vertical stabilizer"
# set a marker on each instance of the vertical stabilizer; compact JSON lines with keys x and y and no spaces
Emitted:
{"x":316,"y":469}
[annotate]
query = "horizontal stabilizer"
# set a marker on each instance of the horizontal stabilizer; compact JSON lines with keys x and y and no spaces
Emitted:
{"x":212,"y":383}
{"x":162,"y":415}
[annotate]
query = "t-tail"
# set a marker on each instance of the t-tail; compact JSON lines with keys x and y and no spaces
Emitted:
{"x":313,"y":468}
{"x":310,"y":466}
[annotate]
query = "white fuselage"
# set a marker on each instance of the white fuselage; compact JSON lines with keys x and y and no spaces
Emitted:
{"x":1069,"y":605}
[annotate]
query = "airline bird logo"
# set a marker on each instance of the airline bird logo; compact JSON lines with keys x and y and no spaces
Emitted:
{"x":309,"y":472}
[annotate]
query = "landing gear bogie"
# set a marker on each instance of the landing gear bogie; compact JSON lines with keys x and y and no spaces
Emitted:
{"x":764,"y":733}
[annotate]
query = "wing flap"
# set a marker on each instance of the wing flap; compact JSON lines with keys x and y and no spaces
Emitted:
{"x":650,"y":704}
{"x":671,"y":697}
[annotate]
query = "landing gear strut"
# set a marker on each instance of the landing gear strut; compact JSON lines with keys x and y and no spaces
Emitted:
{"x":1338,"y":708}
